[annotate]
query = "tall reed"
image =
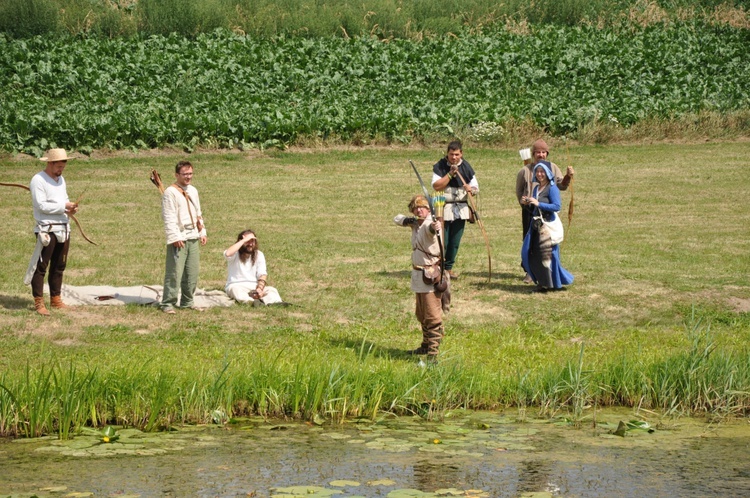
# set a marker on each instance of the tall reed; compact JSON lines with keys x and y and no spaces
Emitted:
{"x":345,"y":18}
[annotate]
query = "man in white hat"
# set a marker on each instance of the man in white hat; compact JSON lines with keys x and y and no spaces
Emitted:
{"x":49,"y":199}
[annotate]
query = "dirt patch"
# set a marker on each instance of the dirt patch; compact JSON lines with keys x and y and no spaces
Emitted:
{"x":739,"y":305}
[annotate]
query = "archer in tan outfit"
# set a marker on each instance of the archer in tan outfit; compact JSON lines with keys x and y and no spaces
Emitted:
{"x":425,"y":252}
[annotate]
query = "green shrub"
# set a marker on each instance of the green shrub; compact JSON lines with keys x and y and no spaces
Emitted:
{"x":26,"y":18}
{"x":184,"y":17}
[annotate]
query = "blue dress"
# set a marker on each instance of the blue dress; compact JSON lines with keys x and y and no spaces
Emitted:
{"x":542,"y":264}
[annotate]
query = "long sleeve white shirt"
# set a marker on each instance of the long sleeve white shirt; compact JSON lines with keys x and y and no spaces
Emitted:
{"x":48,"y":199}
{"x":180,"y":216}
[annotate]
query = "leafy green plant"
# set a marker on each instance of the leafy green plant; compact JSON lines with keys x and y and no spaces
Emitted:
{"x":223,"y":90}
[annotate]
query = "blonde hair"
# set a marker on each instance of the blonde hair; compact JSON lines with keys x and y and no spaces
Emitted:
{"x":418,"y":201}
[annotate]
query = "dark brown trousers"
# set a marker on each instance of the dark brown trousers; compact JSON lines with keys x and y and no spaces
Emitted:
{"x":54,"y":257}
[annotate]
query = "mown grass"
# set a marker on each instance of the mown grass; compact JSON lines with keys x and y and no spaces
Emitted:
{"x":344,"y":18}
{"x":657,"y":318}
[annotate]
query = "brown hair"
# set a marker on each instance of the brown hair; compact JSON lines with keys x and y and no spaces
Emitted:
{"x":247,"y":253}
{"x":455,"y":145}
{"x":182,"y":164}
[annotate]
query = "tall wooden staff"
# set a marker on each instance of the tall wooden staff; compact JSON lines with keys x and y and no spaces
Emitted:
{"x":571,"y":204}
{"x":473,"y":208}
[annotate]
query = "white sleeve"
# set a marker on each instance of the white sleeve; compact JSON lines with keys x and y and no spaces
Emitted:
{"x":435,"y":177}
{"x":260,"y":265}
{"x":474,"y":183}
{"x":169,"y":215}
{"x":42,"y":201}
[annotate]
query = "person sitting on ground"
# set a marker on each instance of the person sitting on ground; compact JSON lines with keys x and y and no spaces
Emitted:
{"x":247,"y":274}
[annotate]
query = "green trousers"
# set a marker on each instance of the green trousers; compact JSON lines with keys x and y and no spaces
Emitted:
{"x":454,"y":230}
{"x":181,"y":275}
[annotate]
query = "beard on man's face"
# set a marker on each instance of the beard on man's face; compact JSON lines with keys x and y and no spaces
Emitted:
{"x":246,"y":250}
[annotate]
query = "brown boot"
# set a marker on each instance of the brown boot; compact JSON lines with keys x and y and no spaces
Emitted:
{"x":39,"y":306}
{"x":57,"y":303}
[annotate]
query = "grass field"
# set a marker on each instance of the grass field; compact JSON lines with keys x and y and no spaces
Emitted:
{"x":657,"y":317}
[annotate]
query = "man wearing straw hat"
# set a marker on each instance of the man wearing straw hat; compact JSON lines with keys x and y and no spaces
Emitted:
{"x":183,"y":224}
{"x":51,"y":205}
{"x":525,"y":180}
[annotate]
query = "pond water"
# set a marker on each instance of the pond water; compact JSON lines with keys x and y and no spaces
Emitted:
{"x":468,"y":454}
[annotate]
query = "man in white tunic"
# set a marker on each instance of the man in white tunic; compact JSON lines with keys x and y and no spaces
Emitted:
{"x":247,"y":273}
{"x":49,"y":199}
{"x":183,"y":225}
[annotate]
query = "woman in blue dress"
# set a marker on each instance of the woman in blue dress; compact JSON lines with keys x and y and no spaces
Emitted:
{"x":539,"y":257}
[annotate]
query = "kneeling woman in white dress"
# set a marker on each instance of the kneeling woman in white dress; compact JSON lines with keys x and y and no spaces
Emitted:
{"x":246,"y":272}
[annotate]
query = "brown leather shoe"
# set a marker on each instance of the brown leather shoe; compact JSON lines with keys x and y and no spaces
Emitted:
{"x":56,"y":302}
{"x":454,"y":276}
{"x":40,"y":307}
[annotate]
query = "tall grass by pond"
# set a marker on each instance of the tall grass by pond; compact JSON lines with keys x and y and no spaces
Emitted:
{"x":342,"y":18}
{"x":656,"y":320}
{"x":55,"y":398}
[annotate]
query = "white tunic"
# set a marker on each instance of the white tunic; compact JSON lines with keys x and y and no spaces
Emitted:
{"x":180,"y":216}
{"x":48,"y":198}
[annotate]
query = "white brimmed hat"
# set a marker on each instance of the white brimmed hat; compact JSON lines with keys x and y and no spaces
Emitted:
{"x":56,"y":155}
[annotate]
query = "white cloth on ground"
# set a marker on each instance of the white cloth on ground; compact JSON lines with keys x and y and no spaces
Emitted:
{"x":139,"y":294}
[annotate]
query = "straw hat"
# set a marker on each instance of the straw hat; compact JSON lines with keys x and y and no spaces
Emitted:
{"x":56,"y":155}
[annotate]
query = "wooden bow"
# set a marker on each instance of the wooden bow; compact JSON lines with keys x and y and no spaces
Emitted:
{"x":78,"y":223}
{"x":473,"y":208}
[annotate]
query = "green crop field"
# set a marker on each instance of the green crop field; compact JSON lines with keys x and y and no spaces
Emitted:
{"x":230,"y":91}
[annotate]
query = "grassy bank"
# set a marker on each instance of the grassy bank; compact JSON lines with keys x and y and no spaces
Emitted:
{"x":657,"y":317}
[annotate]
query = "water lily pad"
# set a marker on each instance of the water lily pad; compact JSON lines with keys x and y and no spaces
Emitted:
{"x":318,"y":419}
{"x":382,"y":482}
{"x":450,"y":492}
{"x":341,"y":483}
{"x":338,"y":435}
{"x":407,"y":493}
{"x":304,"y":492}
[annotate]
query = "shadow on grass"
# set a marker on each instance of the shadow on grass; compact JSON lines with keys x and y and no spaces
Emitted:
{"x":369,"y":348}
{"x":395,"y":274}
{"x":14,"y":302}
